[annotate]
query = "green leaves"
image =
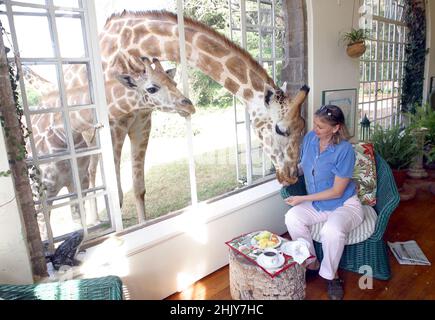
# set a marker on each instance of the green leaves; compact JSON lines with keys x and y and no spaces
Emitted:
{"x":415,"y":53}
{"x":355,"y":35}
{"x":396,"y":145}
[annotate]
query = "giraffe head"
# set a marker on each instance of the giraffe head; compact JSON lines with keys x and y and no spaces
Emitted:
{"x":157,"y":87}
{"x":288,"y":126}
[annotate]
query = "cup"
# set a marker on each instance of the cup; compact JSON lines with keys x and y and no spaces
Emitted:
{"x":270,"y":257}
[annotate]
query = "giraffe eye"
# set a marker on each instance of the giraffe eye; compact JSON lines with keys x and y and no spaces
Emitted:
{"x":153,"y":89}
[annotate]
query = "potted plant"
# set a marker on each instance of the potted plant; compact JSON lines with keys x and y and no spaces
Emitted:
{"x":355,"y":40}
{"x":423,"y":117}
{"x":397,"y":147}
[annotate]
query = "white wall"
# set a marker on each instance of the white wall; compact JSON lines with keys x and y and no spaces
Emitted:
{"x":329,"y":67}
{"x":164,"y":258}
{"x":14,"y":259}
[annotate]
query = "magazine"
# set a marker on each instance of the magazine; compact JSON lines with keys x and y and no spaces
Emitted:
{"x":408,"y":252}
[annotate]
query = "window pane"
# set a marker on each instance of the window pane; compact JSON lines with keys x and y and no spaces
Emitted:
{"x":83,"y":125}
{"x":94,"y":172}
{"x":77,"y":84}
{"x":98,"y":216}
{"x":214,"y":146}
{"x":7,"y":39}
{"x":253,"y":44}
{"x":42,"y":88}
{"x":251,"y":12}
{"x":42,"y":2}
{"x":166,"y":170}
{"x":58,"y":181}
{"x":65,"y":220}
{"x":34,"y":39}
{"x":266,"y":39}
{"x":48,"y":130}
{"x":70,"y":37}
{"x":66,"y":3}
{"x":265,"y":14}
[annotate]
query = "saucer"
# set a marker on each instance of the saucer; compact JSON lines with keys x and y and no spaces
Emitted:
{"x":266,"y":265}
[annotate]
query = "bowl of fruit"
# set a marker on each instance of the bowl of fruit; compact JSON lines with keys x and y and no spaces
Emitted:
{"x":265,"y":239}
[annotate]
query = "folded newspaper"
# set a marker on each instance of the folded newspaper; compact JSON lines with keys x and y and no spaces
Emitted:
{"x":408,"y":252}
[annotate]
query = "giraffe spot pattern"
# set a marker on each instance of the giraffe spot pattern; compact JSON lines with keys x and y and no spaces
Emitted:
{"x":237,"y":67}
{"x":152,"y":47}
{"x":160,"y":28}
{"x":139,"y":32}
{"x":171,"y":50}
{"x":248,"y":95}
{"x":126,"y":37}
{"x":188,"y":32}
{"x":209,"y":65}
{"x":116,"y":27}
{"x":212,"y":47}
{"x":231,"y":85}
{"x":256,"y":81}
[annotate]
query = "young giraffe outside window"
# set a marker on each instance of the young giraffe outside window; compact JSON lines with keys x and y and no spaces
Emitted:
{"x":276,"y":118}
{"x":131,"y":98}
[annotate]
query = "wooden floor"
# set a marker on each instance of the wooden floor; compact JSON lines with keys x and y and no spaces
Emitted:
{"x":412,"y":220}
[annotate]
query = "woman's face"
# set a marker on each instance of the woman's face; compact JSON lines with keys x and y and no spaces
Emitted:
{"x":324,"y":130}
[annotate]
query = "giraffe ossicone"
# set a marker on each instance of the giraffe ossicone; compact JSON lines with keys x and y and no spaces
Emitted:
{"x":155,"y":33}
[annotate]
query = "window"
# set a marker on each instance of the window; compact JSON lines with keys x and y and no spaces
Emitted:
{"x":50,"y":38}
{"x":257,"y":26}
{"x":215,"y":152}
{"x":381,"y":66}
{"x":188,"y":160}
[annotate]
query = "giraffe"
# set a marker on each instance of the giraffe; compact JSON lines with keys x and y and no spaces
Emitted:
{"x":276,"y":119}
{"x":131,"y":98}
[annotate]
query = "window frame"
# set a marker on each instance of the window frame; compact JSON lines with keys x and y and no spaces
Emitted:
{"x":86,"y":13}
{"x":395,"y":66}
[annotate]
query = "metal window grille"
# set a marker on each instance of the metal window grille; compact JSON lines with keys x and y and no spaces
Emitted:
{"x":382,"y":65}
{"x":253,"y":26}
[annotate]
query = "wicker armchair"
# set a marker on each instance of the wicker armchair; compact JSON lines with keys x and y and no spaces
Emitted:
{"x":373,"y":251}
{"x":103,"y":288}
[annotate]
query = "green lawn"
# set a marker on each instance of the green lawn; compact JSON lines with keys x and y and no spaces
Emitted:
{"x":168,"y":188}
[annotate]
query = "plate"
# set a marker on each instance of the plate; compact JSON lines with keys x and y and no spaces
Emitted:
{"x":255,"y":244}
{"x":264,"y":264}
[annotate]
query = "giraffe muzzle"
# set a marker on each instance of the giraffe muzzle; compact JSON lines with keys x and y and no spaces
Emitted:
{"x":280,"y":132}
{"x":186,"y":108}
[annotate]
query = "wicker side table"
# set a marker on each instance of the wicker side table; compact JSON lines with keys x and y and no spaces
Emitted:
{"x":250,"y":282}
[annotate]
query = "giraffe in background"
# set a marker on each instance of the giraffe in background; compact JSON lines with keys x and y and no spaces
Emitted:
{"x":276,"y":119}
{"x":131,"y":98}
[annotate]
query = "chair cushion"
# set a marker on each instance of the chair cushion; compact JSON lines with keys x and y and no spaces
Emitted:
{"x":359,"y":234}
{"x":364,"y":173}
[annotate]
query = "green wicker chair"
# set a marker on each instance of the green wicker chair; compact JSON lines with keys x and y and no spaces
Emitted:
{"x":373,"y":251}
{"x":103,"y":288}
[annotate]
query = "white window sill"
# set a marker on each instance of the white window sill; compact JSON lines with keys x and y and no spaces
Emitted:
{"x":192,"y":219}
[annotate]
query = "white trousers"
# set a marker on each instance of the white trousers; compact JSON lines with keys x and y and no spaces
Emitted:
{"x":333,"y":234}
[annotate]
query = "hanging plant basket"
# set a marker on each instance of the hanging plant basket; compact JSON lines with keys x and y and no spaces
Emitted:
{"x":356,"y":50}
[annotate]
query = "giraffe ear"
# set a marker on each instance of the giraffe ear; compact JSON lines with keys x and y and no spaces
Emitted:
{"x":284,"y":87}
{"x":126,"y":80}
{"x":171,"y":72}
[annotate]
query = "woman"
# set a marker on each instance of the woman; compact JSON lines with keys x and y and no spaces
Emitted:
{"x":327,"y":162}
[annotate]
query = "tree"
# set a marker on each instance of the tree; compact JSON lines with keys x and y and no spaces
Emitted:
{"x":205,"y":91}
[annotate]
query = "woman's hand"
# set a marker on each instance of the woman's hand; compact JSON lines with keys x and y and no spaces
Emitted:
{"x":294,"y":200}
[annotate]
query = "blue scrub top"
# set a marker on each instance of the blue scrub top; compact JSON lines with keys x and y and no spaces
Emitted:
{"x":320,"y":169}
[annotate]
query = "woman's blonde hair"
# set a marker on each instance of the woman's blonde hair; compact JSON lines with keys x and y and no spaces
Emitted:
{"x":333,"y":116}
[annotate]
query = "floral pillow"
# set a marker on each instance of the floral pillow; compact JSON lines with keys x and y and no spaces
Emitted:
{"x":364,"y":173}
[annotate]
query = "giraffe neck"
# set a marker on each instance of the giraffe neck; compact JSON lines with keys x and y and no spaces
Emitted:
{"x":84,"y":119}
{"x":155,"y":34}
